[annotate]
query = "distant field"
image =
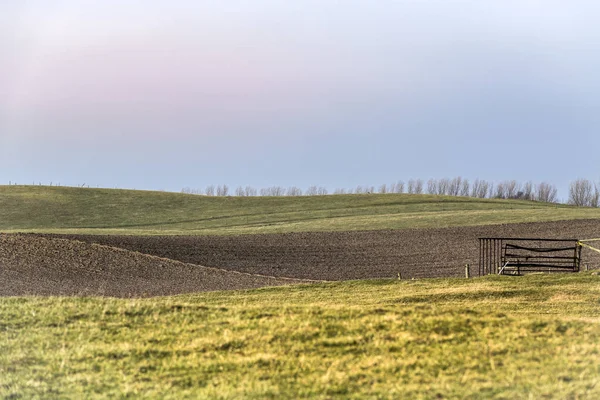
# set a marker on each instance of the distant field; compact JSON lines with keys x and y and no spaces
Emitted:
{"x":534,"y":337}
{"x":109,"y":211}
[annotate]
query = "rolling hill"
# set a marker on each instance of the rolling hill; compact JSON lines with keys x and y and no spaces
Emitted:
{"x":110,"y":211}
{"x":74,"y":323}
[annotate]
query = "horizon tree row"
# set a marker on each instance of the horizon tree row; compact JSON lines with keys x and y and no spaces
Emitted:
{"x":582,"y":192}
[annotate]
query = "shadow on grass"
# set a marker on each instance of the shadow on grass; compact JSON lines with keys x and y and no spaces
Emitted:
{"x":474,"y":296}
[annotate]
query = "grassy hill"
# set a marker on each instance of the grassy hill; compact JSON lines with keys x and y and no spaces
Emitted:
{"x":495,"y":337}
{"x":536,"y":336}
{"x":82,"y":210}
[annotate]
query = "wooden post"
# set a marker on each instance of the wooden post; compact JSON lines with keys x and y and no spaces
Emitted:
{"x":467,"y":272}
{"x":399,"y":276}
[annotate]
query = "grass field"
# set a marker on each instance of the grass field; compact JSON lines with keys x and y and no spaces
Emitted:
{"x":495,"y":337}
{"x":536,"y":336}
{"x":109,"y":211}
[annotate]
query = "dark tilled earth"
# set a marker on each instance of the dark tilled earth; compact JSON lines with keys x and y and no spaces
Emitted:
{"x":415,"y":253}
{"x":33,"y":265}
{"x":139,"y":266}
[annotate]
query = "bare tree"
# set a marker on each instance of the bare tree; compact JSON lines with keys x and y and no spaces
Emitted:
{"x":464,"y":190}
{"x":339,"y":191}
{"x":432,"y":186}
{"x":596,"y":196}
{"x":419,"y":186}
{"x":481,"y":189}
{"x":443,"y":186}
{"x":240,"y":192}
{"x":397,"y":187}
{"x":528,"y":192}
{"x":383,"y":189}
{"x":210,"y":190}
{"x":501,"y":191}
{"x":512,"y":189}
{"x":546,"y":193}
{"x":411,"y":186}
{"x":294,"y":191}
{"x":475,"y":188}
{"x":322,"y":191}
{"x":400,"y":187}
{"x":250,"y":191}
{"x":222,"y":190}
{"x":454,"y":186}
{"x":581,"y":193}
{"x":311,"y":191}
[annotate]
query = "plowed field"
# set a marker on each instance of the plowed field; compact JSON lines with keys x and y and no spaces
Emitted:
{"x":134,"y":266}
{"x":32,"y":265}
{"x":415,"y":253}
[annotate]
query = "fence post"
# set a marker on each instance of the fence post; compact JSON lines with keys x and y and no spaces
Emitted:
{"x":467,"y":272}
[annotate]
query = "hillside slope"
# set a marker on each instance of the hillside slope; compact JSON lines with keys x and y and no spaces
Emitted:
{"x":31,"y":265}
{"x":109,"y":211}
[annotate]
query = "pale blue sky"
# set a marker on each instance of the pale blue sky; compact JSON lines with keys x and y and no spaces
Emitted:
{"x":173,"y":94}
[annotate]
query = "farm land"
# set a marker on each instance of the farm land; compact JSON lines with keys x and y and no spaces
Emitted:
{"x":110,"y":293}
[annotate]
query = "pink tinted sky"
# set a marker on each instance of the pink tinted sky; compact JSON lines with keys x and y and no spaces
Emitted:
{"x":295,"y":93}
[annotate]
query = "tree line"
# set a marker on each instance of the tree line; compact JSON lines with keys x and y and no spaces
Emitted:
{"x":582,"y":192}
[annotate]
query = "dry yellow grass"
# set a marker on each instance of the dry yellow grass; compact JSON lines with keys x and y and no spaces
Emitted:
{"x":498,"y":337}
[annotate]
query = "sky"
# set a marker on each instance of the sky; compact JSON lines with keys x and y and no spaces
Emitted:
{"x":171,"y":94}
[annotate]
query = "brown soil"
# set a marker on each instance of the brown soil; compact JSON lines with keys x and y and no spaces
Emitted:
{"x":415,"y":253}
{"x":33,"y":265}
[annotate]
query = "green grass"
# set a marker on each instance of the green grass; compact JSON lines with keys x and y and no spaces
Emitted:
{"x":76,"y":210}
{"x":496,"y":337}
